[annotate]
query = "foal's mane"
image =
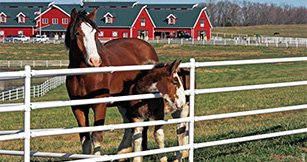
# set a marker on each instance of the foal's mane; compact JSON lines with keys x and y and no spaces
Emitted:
{"x":82,"y":15}
{"x":142,"y":79}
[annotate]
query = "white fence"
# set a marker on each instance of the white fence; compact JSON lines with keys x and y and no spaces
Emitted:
{"x":34,"y":63}
{"x":28,"y":106}
{"x":36,"y":90}
{"x":248,"y":41}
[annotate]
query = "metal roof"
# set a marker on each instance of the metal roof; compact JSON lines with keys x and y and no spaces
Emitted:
{"x":185,"y":18}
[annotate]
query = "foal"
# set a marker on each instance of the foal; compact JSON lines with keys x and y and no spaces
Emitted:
{"x":162,"y":78}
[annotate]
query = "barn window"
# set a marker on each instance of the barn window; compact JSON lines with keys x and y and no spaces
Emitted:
{"x":54,"y":21}
{"x":21,"y":17}
{"x":108,"y":18}
{"x":171,"y":19}
{"x":45,"y":21}
{"x":101,"y":34}
{"x":143,"y":22}
{"x":115,"y":34}
{"x":202,"y":23}
{"x":2,"y":17}
{"x":125,"y":35}
{"x":64,"y":21}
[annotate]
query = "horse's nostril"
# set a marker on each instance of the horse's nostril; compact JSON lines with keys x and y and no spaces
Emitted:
{"x":94,"y":62}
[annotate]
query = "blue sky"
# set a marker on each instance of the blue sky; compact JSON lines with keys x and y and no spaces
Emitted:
{"x":295,"y":3}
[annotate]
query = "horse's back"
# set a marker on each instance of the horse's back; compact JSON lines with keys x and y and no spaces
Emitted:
{"x":127,"y":51}
{"x":130,"y":51}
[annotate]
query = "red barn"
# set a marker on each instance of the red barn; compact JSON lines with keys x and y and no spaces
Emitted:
{"x":180,"y":21}
{"x":114,"y":19}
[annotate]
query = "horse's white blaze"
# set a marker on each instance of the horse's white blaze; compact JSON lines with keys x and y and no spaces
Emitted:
{"x":180,"y":102}
{"x":90,"y":44}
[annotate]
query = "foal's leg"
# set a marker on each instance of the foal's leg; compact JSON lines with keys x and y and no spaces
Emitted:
{"x":159,"y":136}
{"x":100,"y":115}
{"x":81,"y":114}
{"x":182,"y":132}
{"x":125,"y":145}
{"x":137,"y":140}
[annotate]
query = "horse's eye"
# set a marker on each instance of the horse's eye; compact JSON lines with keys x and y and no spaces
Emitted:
{"x":175,"y":83}
{"x":76,"y":34}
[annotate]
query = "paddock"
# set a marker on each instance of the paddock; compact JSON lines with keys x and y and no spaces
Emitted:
{"x":27,"y":134}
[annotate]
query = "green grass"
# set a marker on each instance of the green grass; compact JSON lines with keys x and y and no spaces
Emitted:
{"x":287,"y":148}
{"x":299,"y":31}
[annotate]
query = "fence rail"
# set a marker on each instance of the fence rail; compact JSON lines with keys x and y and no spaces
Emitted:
{"x":34,"y":63}
{"x":36,"y":90}
{"x":28,"y":106}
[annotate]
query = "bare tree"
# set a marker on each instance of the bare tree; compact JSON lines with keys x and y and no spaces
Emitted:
{"x":244,"y":13}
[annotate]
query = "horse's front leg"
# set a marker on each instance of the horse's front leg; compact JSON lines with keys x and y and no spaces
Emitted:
{"x":100,"y":115}
{"x":81,"y":114}
{"x":137,"y":140}
{"x":182,"y":132}
{"x":125,"y":145}
{"x":159,"y":137}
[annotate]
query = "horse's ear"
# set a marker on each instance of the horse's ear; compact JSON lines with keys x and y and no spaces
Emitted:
{"x":174,"y":67}
{"x":73,"y":15}
{"x":92,"y":14}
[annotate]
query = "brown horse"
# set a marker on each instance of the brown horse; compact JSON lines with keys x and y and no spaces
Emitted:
{"x":85,"y":50}
{"x":162,"y":78}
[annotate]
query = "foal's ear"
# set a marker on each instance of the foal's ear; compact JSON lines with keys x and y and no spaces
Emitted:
{"x":73,"y":14}
{"x":174,"y":67}
{"x":92,"y":14}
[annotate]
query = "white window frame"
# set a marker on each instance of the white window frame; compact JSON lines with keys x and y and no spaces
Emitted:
{"x":143,"y":22}
{"x":45,"y":21}
{"x":21,"y":19}
{"x":55,"y":21}
{"x":3,"y":19}
{"x":114,"y":34}
{"x":108,"y":20}
{"x":202,"y":23}
{"x":125,"y":35}
{"x":101,"y":34}
{"x":171,"y":21}
{"x":64,"y":21}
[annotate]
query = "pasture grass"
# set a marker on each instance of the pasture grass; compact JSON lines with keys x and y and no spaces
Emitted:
{"x":287,"y":148}
{"x":299,"y":31}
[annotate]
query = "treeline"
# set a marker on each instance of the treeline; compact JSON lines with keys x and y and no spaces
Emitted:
{"x":244,"y":13}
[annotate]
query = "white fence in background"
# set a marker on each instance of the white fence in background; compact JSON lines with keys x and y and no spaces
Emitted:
{"x":29,"y":106}
{"x":34,"y":63}
{"x":36,"y":90}
{"x":248,"y":41}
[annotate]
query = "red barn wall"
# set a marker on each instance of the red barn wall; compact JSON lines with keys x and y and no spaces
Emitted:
{"x":205,"y":28}
{"x":27,"y":31}
{"x":54,"y":13}
{"x":107,"y":33}
{"x":148,"y":25}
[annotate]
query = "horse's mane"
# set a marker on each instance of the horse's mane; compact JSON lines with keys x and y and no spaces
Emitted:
{"x":82,"y":15}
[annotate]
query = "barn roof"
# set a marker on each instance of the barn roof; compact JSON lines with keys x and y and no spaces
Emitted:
{"x":53,"y":27}
{"x":170,"y":6}
{"x":109,"y":4}
{"x":24,"y":4}
{"x":185,"y":18}
{"x":123,"y":17}
{"x":11,"y":13}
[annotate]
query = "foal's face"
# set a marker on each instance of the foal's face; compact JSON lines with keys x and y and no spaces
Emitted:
{"x":170,"y":86}
{"x":86,"y":37}
{"x":172,"y":91}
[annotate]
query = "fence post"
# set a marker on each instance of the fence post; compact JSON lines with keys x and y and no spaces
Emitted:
{"x":27,"y":104}
{"x":192,"y":96}
{"x":169,"y":41}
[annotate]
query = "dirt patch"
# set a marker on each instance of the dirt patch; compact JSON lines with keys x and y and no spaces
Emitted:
{"x":282,"y":158}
